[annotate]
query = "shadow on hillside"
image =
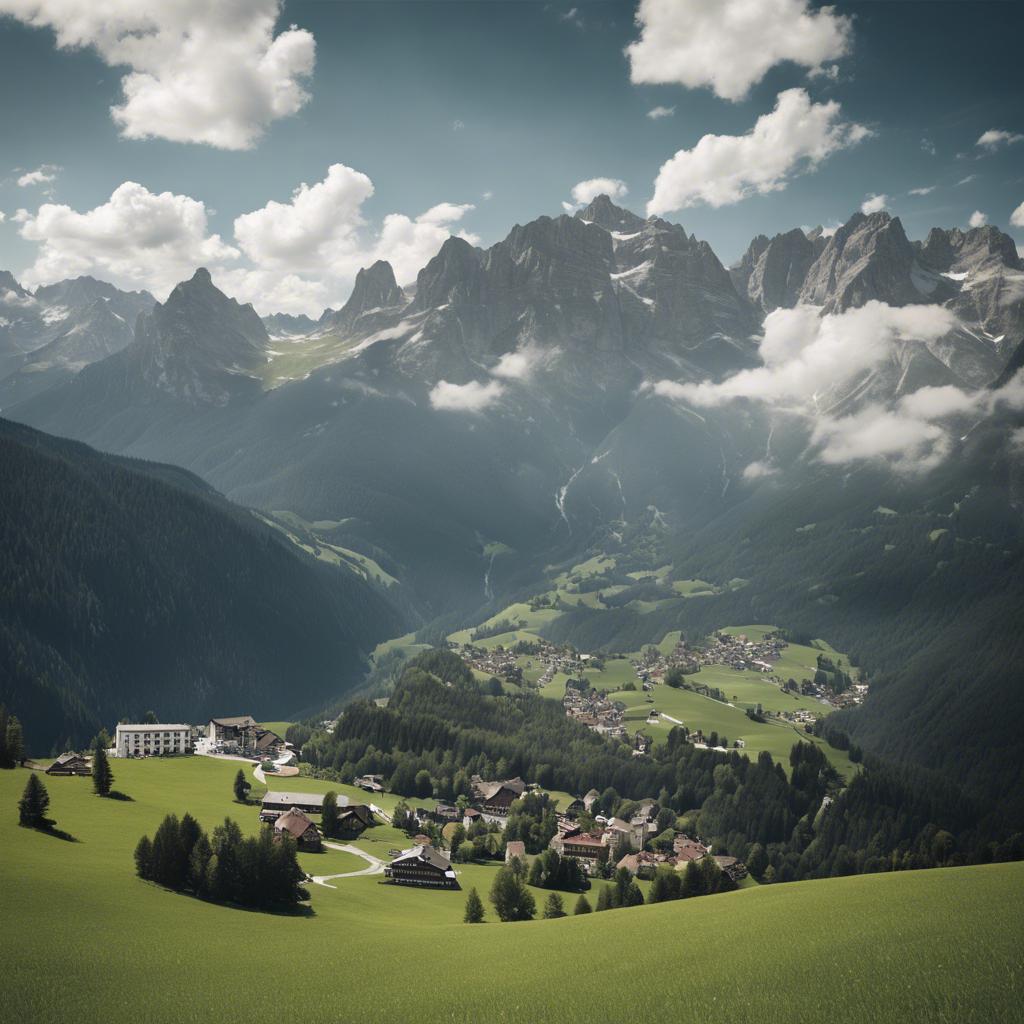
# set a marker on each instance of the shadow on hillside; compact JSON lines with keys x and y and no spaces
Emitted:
{"x":116,"y":794}
{"x":50,"y":829}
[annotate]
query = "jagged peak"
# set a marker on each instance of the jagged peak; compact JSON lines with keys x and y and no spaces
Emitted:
{"x":604,"y":213}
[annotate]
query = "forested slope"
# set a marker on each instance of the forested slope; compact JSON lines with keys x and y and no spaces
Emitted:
{"x":127,"y":586}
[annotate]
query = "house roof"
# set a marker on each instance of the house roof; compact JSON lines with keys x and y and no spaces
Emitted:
{"x":425,"y":855}
{"x":295,"y":822}
{"x":239,"y":720}
{"x":153,"y":727}
{"x":267,"y":739}
{"x":360,"y":811}
{"x":294,"y":799}
{"x":585,"y":839}
{"x":516,"y":848}
{"x":66,"y":757}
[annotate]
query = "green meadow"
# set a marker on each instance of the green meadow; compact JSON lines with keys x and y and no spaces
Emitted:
{"x":85,"y":940}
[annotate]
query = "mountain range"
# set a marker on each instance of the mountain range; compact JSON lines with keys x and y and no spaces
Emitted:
{"x":527,"y":403}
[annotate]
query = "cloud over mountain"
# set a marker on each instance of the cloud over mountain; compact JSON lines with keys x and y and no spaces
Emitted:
{"x":204,"y":71}
{"x":724,"y":169}
{"x":137,"y":238}
{"x":729,"y":46}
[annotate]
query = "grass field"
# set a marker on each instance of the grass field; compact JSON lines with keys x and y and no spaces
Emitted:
{"x":85,"y":940}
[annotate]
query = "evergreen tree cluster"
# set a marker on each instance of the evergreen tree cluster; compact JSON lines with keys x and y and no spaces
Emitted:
{"x":260,"y":871}
{"x":804,"y":824}
{"x":12,"y":747}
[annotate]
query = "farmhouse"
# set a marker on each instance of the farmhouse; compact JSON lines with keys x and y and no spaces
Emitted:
{"x":733,"y":868}
{"x":687,"y":849}
{"x":371,"y":783}
{"x":497,"y":797}
{"x":275,"y":804}
{"x":267,"y":743}
{"x":299,"y":826}
{"x":353,"y":820}
{"x":70,"y":764}
{"x":422,"y":866}
{"x":143,"y":740}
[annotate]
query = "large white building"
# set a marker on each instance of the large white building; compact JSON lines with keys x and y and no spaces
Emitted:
{"x":140,"y":740}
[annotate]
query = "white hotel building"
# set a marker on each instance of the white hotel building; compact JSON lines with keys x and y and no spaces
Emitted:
{"x":140,"y":740}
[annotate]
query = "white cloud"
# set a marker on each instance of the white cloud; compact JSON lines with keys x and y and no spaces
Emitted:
{"x":520,"y":363}
{"x":978,"y":219}
{"x":803,"y":353}
{"x":927,"y":146}
{"x":135,"y":239}
{"x":1017,"y":217}
{"x":656,"y":113}
{"x":584,"y":192}
{"x":458,"y":125}
{"x":730,"y":45}
{"x":42,"y":175}
{"x":994,"y":138}
{"x":874,"y":204}
{"x":723,"y":169}
{"x":3,"y":216}
{"x":470,"y":397}
{"x":320,"y":238}
{"x":968,"y":179}
{"x":759,"y":470}
{"x":204,"y":71}
{"x":923,"y":190}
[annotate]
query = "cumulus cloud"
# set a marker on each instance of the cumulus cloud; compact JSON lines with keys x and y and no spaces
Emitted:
{"x":584,"y":192}
{"x":924,"y":190}
{"x":471,"y":397}
{"x":656,"y":113}
{"x":520,"y":363}
{"x":758,"y":470}
{"x":136,"y":239}
{"x":42,"y":175}
{"x":203,"y":71}
{"x":321,"y":238}
{"x":995,"y":138}
{"x":803,"y":352}
{"x":1017,"y":217}
{"x":299,"y":256}
{"x":724,"y":169}
{"x":730,"y":45}
{"x":874,"y":204}
{"x":978,"y":219}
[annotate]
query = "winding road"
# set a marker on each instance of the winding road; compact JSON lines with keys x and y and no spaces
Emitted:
{"x":374,"y":866}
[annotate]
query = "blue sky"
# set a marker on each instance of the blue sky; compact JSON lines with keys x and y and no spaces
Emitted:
{"x":449,"y":102}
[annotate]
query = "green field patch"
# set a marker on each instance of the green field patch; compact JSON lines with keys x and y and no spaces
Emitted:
{"x":693,"y":588}
{"x":177,"y":955}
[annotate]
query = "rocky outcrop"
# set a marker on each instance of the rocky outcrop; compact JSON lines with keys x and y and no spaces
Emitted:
{"x":780,"y":270}
{"x":869,"y":257}
{"x":375,"y":291}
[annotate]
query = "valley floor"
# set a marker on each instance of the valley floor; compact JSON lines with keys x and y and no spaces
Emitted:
{"x":84,"y":939}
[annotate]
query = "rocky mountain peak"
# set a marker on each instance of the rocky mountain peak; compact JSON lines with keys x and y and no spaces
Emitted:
{"x":8,"y":283}
{"x":452,"y":273}
{"x":779,"y":271}
{"x":604,"y":213}
{"x":869,"y":257}
{"x":375,"y":289}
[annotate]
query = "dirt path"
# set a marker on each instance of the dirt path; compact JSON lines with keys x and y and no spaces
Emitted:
{"x":374,"y":866}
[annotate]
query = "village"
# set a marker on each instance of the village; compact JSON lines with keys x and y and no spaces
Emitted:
{"x":600,"y":843}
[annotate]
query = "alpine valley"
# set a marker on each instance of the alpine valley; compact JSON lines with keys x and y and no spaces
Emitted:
{"x":598,"y":390}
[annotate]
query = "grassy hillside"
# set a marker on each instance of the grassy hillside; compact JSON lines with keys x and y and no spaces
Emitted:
{"x":933,"y":946}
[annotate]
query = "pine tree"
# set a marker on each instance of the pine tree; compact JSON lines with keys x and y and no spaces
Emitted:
{"x":583,"y":906}
{"x":34,"y":803}
{"x":553,"y":906}
{"x":604,"y":901}
{"x":511,"y":899}
{"x":241,"y":788}
{"x":144,"y":858}
{"x":102,"y":776}
{"x":329,"y":815}
{"x":15,"y":747}
{"x":5,"y":761}
{"x":474,"y":908}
